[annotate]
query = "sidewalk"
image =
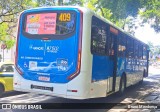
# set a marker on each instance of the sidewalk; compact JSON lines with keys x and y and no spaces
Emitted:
{"x":150,"y":99}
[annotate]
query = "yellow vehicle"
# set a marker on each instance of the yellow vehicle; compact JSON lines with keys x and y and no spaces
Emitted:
{"x":6,"y":76}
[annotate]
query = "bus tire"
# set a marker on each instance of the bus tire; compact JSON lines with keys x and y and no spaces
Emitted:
{"x":122,"y":86}
{"x":144,"y":71}
{"x":1,"y":89}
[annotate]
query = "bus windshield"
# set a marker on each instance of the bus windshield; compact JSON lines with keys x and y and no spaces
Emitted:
{"x":52,"y":23}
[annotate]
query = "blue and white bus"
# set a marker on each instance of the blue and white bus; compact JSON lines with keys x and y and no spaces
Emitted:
{"x":73,"y":53}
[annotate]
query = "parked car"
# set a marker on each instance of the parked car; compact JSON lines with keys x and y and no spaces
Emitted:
{"x":6,"y":76}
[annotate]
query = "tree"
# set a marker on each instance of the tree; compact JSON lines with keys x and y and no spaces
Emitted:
{"x":9,"y":11}
{"x":75,"y":2}
{"x":40,"y":3}
{"x":115,"y":11}
{"x":151,"y":13}
{"x":124,"y":12}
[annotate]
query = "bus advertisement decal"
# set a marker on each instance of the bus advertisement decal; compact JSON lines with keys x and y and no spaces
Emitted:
{"x":41,"y":23}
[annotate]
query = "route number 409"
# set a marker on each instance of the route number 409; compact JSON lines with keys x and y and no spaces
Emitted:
{"x":65,"y":17}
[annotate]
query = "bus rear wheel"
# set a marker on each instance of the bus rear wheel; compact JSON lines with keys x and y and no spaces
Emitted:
{"x":141,"y":81}
{"x":122,"y":85}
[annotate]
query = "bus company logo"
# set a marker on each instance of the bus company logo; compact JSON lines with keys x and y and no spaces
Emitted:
{"x":37,"y":48}
{"x":52,"y":49}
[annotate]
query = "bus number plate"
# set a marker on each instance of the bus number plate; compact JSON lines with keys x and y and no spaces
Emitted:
{"x":42,"y":78}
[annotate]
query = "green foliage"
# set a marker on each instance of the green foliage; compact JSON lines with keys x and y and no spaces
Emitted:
{"x":151,"y":13}
{"x":113,"y":10}
{"x":121,"y":10}
{"x":9,"y":11}
{"x":10,"y":43}
{"x":3,"y":29}
{"x":5,"y":37}
{"x":29,"y":4}
{"x":117,"y":8}
{"x":93,"y":5}
{"x":40,"y":3}
{"x":75,"y":2}
{"x":106,"y":13}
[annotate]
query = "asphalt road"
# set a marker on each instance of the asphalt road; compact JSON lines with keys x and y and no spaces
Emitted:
{"x":11,"y":93}
{"x":133,"y":94}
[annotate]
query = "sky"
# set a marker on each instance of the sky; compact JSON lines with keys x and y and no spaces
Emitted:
{"x":147,"y":34}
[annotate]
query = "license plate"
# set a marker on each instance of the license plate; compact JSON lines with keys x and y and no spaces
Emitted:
{"x":42,"y":78}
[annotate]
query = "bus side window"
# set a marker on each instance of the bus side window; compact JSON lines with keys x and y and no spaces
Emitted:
{"x":98,"y":36}
{"x":144,"y":52}
{"x":136,"y":49}
{"x":94,"y":32}
{"x":130,"y":48}
{"x":140,"y":51}
{"x":111,"y":45}
{"x":122,"y":46}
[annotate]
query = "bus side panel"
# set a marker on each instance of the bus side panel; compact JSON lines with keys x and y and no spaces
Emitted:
{"x":102,"y":68}
{"x":134,"y":71}
{"x":133,"y":68}
{"x":121,"y":68}
{"x":102,"y":76}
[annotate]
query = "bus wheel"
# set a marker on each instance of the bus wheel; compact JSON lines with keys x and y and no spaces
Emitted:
{"x":144,"y":73}
{"x":122,"y":85}
{"x":1,"y":89}
{"x":141,"y":81}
